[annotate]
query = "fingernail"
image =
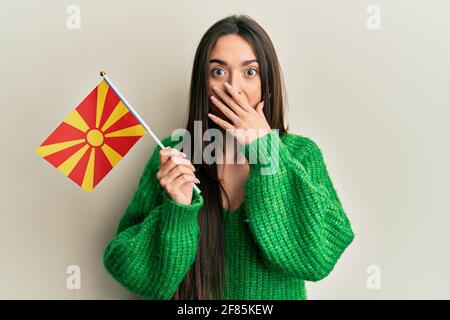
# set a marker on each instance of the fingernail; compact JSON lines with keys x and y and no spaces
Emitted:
{"x":227,"y":85}
{"x":213,"y":98}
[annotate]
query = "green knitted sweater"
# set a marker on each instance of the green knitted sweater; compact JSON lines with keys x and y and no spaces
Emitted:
{"x":290,"y":228}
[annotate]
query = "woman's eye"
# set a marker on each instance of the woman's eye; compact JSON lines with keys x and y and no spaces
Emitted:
{"x":251,"y":72}
{"x":216,"y":72}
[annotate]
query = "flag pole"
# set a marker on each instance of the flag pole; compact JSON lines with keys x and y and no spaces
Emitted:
{"x":138,"y":117}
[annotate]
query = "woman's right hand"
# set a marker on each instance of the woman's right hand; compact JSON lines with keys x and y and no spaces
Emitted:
{"x":176,"y":175}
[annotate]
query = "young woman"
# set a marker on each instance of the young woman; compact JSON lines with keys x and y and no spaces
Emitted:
{"x":249,"y":234}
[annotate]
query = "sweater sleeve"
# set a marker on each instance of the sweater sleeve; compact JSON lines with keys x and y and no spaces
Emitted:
{"x":156,"y":239}
{"x":293,"y":209}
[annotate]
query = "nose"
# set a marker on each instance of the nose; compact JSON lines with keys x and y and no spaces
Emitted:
{"x":236,"y":81}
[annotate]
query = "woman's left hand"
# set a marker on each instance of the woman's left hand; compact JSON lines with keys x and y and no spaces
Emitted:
{"x":242,"y":115}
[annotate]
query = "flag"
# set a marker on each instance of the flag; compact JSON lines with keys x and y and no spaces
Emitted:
{"x":93,"y":138}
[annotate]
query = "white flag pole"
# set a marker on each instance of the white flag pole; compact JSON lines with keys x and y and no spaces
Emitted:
{"x":138,"y":117}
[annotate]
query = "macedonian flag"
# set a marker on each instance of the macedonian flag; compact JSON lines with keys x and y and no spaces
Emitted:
{"x":93,"y":138}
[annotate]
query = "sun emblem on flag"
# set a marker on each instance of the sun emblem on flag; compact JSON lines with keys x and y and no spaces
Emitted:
{"x":93,"y":138}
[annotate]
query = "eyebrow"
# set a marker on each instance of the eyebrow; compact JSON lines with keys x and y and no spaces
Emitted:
{"x":246,"y":62}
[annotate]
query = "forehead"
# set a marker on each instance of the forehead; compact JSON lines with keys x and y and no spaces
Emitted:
{"x":232,"y":48}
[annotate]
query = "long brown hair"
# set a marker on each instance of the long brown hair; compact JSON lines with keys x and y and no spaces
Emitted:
{"x":205,"y":279}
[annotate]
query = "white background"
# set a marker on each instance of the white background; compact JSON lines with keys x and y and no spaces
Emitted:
{"x":375,"y":101}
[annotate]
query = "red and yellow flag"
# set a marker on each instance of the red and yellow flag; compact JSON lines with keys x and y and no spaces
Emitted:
{"x":93,"y":138}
